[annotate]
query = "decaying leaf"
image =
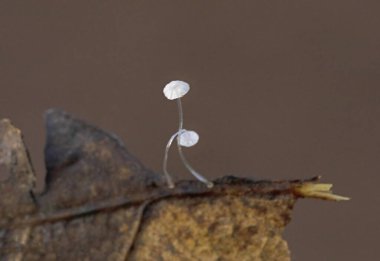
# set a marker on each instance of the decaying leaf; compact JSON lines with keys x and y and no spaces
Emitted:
{"x":101,"y":203}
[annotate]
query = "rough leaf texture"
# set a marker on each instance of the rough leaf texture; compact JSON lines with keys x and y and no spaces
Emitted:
{"x":101,"y":203}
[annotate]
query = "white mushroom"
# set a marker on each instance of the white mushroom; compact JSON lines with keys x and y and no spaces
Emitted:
{"x":176,"y":89}
{"x":188,"y":138}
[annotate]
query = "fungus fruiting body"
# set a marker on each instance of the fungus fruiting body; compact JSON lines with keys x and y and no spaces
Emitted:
{"x":175,"y":90}
{"x":188,"y":138}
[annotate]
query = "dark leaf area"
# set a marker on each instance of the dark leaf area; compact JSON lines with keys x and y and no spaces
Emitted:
{"x":101,"y":203}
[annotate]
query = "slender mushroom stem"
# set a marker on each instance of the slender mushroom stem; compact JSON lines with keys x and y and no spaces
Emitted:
{"x":209,"y":184}
{"x":182,"y":155}
{"x":165,"y":164}
{"x":180,"y":114}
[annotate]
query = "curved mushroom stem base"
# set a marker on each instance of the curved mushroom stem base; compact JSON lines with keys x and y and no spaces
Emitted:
{"x":208,"y":183}
{"x":165,"y":163}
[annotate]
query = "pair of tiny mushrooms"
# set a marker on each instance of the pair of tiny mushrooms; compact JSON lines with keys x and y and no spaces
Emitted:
{"x":175,"y":90}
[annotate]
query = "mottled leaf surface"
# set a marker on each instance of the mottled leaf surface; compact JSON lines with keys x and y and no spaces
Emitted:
{"x":101,"y":203}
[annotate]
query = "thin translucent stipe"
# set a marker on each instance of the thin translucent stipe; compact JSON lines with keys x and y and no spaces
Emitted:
{"x":165,"y":163}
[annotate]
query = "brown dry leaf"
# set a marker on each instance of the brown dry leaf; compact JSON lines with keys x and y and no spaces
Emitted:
{"x":101,"y":203}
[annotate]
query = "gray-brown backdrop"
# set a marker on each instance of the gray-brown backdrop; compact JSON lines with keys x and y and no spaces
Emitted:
{"x":280,"y":90}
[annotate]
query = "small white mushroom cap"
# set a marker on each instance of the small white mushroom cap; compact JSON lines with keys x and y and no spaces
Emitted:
{"x":176,"y":89}
{"x":188,"y":138}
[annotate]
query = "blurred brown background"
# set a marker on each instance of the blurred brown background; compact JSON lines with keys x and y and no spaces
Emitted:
{"x":280,"y":90}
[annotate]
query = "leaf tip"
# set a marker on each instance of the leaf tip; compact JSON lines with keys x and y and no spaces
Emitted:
{"x":318,"y":190}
